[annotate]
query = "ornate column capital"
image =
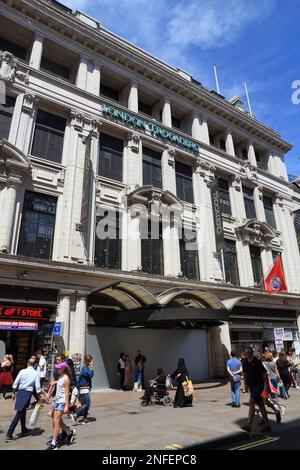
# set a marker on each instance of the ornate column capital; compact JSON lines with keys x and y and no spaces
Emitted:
{"x":236,"y":182}
{"x":171,"y":157}
{"x":248,"y":171}
{"x":133,"y":141}
{"x":205,"y":169}
{"x":29,"y":101}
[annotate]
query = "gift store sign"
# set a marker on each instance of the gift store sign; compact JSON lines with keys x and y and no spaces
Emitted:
{"x":17,"y":312}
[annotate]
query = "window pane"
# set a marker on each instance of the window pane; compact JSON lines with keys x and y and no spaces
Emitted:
{"x":256,"y":264}
{"x":184,"y":182}
{"x":48,"y":136}
{"x":108,"y":251}
{"x":145,"y":108}
{"x":176,"y":122}
{"x":189,"y":259}
{"x":6,"y":112}
{"x":109,"y":92}
{"x":224,"y":196}
{"x":13,"y":48}
{"x":53,"y":67}
{"x":249,"y":203}
{"x":152,"y":253}
{"x":111,"y":157}
{"x":37,"y":228}
{"x":230,"y":262}
{"x":268,"y":206}
{"x":152,"y":168}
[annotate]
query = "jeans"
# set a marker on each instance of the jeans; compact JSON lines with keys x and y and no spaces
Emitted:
{"x":85,"y":401}
{"x":235,"y":392}
{"x":20,"y":416}
{"x":138,"y":376}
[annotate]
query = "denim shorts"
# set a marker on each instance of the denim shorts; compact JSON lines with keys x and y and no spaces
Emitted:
{"x":59,"y":406}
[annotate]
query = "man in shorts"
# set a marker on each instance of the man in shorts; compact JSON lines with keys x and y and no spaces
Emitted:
{"x":257,"y":376}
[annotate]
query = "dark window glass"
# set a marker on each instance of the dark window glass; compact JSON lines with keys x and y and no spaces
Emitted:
{"x":268,"y":206}
{"x":109,"y":92}
{"x":111,"y":157}
{"x":189,"y":257}
{"x":152,"y":253}
{"x":152,"y":168}
{"x":222,"y":145}
{"x":48,"y":137}
{"x":108,"y":251}
{"x":184,"y":182}
{"x":249,"y":203}
{"x":176,"y":122}
{"x":53,"y":67}
{"x":259,"y":160}
{"x":244,"y":154}
{"x":37,"y":228}
{"x":145,"y":108}
{"x":6,"y":112}
{"x":13,"y":48}
{"x":256,"y":264}
{"x":224,"y":196}
{"x":230,"y":263}
{"x":211,"y":139}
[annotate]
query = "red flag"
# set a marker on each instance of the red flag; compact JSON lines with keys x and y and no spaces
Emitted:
{"x":275,"y":280}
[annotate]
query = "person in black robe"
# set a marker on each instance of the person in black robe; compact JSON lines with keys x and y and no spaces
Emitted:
{"x":181,"y":374}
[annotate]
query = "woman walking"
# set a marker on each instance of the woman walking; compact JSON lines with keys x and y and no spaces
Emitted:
{"x":283,"y":367}
{"x":84,"y":385}
{"x":61,"y":407}
{"x":6,"y":378}
{"x":274,"y":377}
{"x":128,"y":373}
{"x":121,"y":370}
{"x":181,"y":375}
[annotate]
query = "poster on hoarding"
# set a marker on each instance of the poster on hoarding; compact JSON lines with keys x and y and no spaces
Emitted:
{"x":278,"y":344}
{"x":288,"y":335}
{"x":278,"y":333}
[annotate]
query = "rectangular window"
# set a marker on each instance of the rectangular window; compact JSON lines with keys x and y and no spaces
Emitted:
{"x":256,"y":264}
{"x":108,"y":251}
{"x":230,"y":263}
{"x":249,"y":203}
{"x":6,"y":113}
{"x":184,"y":182}
{"x":109,"y":92}
{"x":111,"y":157}
{"x":259,"y":160}
{"x":145,"y":108}
{"x":223,"y":145}
{"x":152,"y":253}
{"x":176,"y":122}
{"x":48,"y":137}
{"x":13,"y":48}
{"x":224,"y":196}
{"x":152,"y":168}
{"x":189,"y":257}
{"x":244,"y":154}
{"x":50,"y":66}
{"x":37,"y":228}
{"x":268,"y":206}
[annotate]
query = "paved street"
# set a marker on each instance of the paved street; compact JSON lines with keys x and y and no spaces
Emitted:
{"x":123,"y":424}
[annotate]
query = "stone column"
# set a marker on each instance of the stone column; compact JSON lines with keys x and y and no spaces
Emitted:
{"x":220,"y":349}
{"x":36,"y":51}
{"x":23,"y":120}
{"x":93,"y":77}
{"x":229,"y":143}
{"x":168,"y":170}
{"x":81,"y":79}
{"x":133,"y":160}
{"x":204,"y":133}
{"x":166,"y":113}
{"x":133,"y":100}
{"x":251,"y":154}
{"x":196,"y":126}
{"x":203,"y":175}
{"x":64,"y":310}
{"x":259,"y":205}
{"x":271,"y":163}
{"x":9,"y":197}
{"x":78,"y":326}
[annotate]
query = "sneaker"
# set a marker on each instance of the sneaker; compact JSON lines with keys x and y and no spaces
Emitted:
{"x":233,"y":405}
{"x":237,"y":406}
{"x":246,"y":428}
{"x":25,"y":432}
{"x":9,"y":438}
{"x":71,"y":437}
{"x":52,"y":447}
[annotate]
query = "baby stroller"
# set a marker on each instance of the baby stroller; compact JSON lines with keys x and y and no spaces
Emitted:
{"x":156,"y":393}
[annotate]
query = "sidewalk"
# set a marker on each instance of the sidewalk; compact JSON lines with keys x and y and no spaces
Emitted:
{"x":122,"y":423}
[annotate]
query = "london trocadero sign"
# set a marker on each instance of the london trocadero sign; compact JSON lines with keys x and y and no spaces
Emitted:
{"x":154,"y":129}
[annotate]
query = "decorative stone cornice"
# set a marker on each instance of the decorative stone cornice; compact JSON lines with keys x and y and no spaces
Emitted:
{"x":171,"y":157}
{"x":205,"y":169}
{"x":29,"y":101}
{"x":248,"y":172}
{"x":254,"y":232}
{"x":236,"y":182}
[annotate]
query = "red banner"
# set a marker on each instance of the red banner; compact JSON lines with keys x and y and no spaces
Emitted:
{"x":275,"y":281}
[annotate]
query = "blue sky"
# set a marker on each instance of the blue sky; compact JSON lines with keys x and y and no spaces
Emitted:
{"x":256,"y":41}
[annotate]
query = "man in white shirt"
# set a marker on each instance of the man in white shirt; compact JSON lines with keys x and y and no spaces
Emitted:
{"x":42,"y":366}
{"x":26,"y":381}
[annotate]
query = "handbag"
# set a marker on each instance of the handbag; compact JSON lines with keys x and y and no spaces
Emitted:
{"x":187,"y":387}
{"x":35,"y":415}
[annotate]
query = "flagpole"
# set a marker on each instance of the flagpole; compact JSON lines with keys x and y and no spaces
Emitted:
{"x":266,"y":275}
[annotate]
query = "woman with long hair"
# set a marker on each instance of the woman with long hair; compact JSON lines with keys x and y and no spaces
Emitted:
{"x":6,"y":378}
{"x":181,"y":375}
{"x":128,"y":384}
{"x":283,"y":367}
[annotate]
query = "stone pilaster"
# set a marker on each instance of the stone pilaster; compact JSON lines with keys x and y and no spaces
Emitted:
{"x":251,"y":154}
{"x":229,"y":143}
{"x":133,"y":100}
{"x":22,"y":126}
{"x":167,"y":113}
{"x":78,"y":326}
{"x":168,"y":170}
{"x":36,"y":51}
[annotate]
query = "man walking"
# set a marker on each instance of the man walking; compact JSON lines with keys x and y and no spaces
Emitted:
{"x":42,"y":366}
{"x":26,"y":381}
{"x":234,"y":368}
{"x":257,"y":376}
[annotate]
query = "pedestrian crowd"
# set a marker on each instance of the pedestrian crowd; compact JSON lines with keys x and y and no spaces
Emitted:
{"x":267,"y":377}
{"x":68,"y":395}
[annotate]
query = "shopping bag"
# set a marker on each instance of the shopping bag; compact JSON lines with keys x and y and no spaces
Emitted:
{"x":35,"y":415}
{"x":187,"y":387}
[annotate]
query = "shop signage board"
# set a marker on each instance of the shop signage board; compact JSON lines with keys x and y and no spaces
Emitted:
{"x":17,"y":312}
{"x":18,"y":325}
{"x":278,"y":344}
{"x":57,"y":329}
{"x":217,"y":214}
{"x":278,"y":333}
